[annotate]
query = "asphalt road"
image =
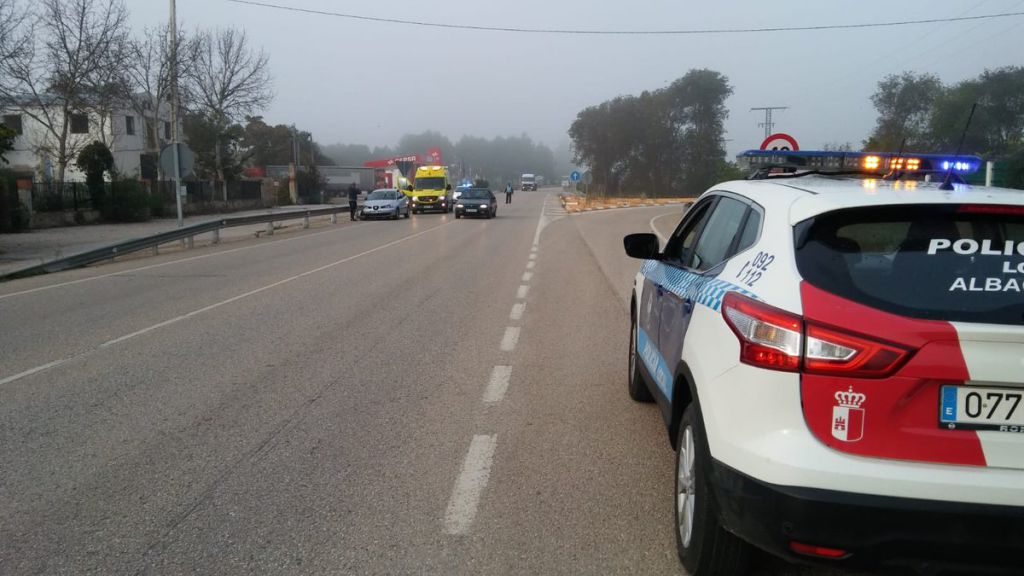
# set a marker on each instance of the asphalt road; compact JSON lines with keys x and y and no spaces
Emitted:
{"x":426,"y":396}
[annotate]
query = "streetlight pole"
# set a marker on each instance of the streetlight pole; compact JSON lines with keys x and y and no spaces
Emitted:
{"x":174,"y":110}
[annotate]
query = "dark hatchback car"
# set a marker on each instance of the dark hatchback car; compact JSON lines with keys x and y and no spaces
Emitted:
{"x":477,"y":202}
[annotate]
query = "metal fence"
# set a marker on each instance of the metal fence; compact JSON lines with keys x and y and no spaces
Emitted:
{"x":49,"y":197}
{"x":204,"y":192}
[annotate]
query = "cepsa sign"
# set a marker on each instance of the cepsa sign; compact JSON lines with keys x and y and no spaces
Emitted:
{"x":781,"y":142}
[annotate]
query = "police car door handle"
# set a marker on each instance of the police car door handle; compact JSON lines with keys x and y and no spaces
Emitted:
{"x":661,"y":290}
{"x":688,"y":305}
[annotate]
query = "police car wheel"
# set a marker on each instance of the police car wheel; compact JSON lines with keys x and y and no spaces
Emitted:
{"x":638,"y":390}
{"x":705,"y":548}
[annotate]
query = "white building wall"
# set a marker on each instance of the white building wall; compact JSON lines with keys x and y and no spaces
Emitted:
{"x":126,"y":148}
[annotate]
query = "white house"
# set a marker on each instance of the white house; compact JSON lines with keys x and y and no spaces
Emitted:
{"x":134,"y":140}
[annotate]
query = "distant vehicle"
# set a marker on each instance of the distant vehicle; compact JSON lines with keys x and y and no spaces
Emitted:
{"x":431,"y":190}
{"x":838,"y":362}
{"x":478,"y":202}
{"x":527,"y":182}
{"x":459,"y":190}
{"x":385,"y":203}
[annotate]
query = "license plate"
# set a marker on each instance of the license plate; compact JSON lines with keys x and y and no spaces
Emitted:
{"x":974,"y":408}
{"x":470,"y":209}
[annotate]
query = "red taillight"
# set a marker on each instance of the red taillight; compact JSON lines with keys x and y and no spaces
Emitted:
{"x":991,"y":209}
{"x":832,"y":352}
{"x":818,"y":551}
{"x":769,"y":337}
{"x":779,"y":340}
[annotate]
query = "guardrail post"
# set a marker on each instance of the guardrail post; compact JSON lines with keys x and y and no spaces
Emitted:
{"x":156,"y":249}
{"x":191,"y":242}
{"x":334,"y":218}
{"x":305,"y":221}
{"x":270,"y":228}
{"x":216,"y":236}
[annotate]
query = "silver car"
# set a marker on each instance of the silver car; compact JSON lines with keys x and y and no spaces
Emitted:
{"x":385,"y":203}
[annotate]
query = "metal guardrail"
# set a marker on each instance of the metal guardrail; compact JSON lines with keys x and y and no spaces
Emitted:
{"x":187,"y":234}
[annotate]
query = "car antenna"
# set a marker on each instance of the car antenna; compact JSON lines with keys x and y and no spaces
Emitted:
{"x":947,"y":183}
{"x":893,"y":174}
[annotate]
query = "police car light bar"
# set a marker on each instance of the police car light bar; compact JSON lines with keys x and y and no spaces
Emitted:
{"x":870,"y":162}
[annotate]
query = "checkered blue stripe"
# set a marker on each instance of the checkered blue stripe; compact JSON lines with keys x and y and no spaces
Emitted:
{"x":704,"y":290}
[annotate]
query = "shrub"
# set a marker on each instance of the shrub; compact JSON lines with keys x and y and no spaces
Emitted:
{"x":128,"y":202}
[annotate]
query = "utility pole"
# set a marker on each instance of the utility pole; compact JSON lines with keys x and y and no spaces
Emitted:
{"x":293,"y":183}
{"x":768,"y":124}
{"x":174,"y":110}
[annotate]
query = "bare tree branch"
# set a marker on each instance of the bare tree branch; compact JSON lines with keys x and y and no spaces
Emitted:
{"x":228,"y":81}
{"x":69,"y":64}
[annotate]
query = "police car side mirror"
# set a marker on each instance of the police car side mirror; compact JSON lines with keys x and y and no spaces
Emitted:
{"x":643,"y":246}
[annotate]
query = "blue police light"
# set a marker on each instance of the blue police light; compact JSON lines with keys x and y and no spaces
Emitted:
{"x":870,"y":162}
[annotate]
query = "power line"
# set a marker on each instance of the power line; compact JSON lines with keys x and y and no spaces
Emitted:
{"x":627,"y":32}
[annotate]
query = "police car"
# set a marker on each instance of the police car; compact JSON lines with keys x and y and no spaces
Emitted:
{"x":839,"y":359}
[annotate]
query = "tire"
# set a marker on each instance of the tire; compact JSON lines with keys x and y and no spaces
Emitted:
{"x":398,"y":214}
{"x":457,"y":215}
{"x":706,"y":549}
{"x":638,"y":389}
{"x":406,"y":212}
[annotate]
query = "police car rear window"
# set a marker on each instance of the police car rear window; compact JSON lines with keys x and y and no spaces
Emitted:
{"x":960,"y":263}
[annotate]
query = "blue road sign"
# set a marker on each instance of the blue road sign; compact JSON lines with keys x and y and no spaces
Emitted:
{"x":575,"y":176}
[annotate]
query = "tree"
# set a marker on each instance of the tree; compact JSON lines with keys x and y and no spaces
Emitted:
{"x":16,"y":28}
{"x":217,"y":148}
{"x":56,"y":73}
{"x":7,"y":137}
{"x":150,"y":71}
{"x":228,"y":81}
{"x":997,"y":130}
{"x":666,"y":141}
{"x":266,"y":145}
{"x":95,"y":160}
{"x":904,"y":103}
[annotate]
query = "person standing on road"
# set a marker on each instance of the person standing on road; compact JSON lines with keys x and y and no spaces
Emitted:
{"x":508,"y":193}
{"x":353,"y":196}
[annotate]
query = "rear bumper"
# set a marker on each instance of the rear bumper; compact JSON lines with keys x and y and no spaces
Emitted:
{"x":927,"y":536}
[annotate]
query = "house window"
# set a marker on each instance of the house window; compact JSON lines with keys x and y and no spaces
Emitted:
{"x":129,"y":125}
{"x":167,"y":130}
{"x":79,"y":124}
{"x":13,"y":121}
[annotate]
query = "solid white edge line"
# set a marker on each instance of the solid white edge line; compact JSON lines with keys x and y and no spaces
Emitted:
{"x":171,"y":262}
{"x":498,"y":384}
{"x":521,"y":293}
{"x":517,"y":311}
{"x":510,"y":339}
{"x":32,"y":371}
{"x":176,"y":319}
{"x":476,"y":471}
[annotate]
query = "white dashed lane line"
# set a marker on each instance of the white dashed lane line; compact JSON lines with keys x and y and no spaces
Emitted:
{"x":521,"y":293}
{"x":498,"y":384}
{"x":530,"y":265}
{"x":533,"y":256}
{"x":517,"y":311}
{"x":510,"y":339}
{"x":527,"y":276}
{"x":476,"y":470}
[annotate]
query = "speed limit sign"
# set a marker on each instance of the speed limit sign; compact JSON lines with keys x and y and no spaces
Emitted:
{"x":781,"y":142}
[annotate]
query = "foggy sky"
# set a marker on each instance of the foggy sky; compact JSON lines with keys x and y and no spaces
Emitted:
{"x":361,"y":82}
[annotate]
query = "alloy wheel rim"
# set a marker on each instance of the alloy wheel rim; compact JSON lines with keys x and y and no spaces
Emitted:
{"x":685,"y":484}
